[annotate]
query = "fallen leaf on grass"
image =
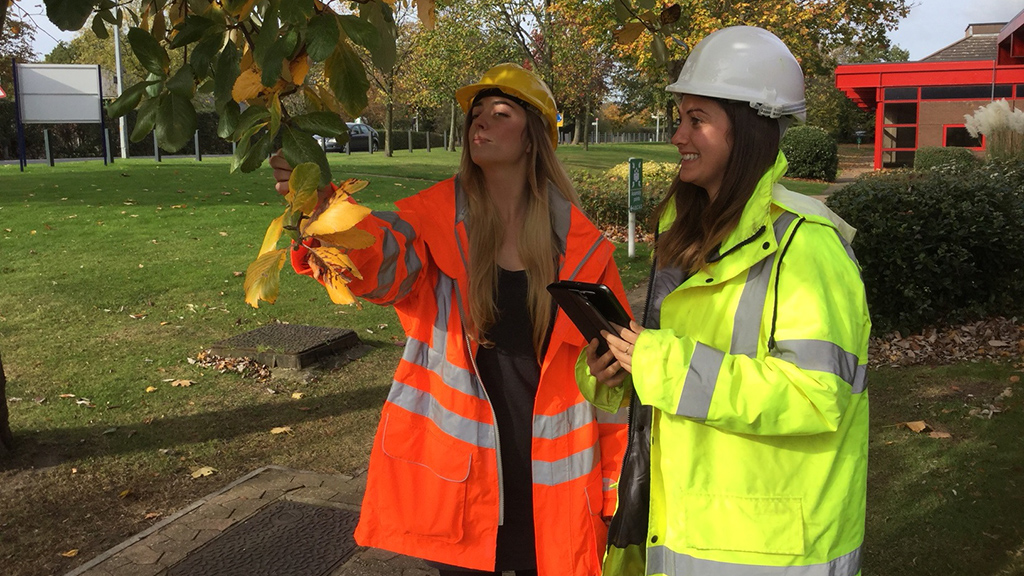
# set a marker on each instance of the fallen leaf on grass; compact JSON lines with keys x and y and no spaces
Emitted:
{"x":70,"y":553}
{"x":124,"y":493}
{"x":151,"y":389}
{"x":152,"y":515}
{"x":204,"y":471}
{"x":918,"y":426}
{"x":183,"y":383}
{"x":281,"y":430}
{"x":67,"y":395}
{"x":1014,"y":379}
{"x":109,"y":431}
{"x":940,"y":435}
{"x":298,"y":395}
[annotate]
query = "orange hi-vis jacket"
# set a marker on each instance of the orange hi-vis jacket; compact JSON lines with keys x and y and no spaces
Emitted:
{"x":434,"y":484}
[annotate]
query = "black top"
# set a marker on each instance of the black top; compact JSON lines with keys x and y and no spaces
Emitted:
{"x":510,"y":373}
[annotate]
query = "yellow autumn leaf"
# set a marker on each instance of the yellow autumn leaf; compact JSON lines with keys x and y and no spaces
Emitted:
{"x":124,"y":493}
{"x":352,"y":185}
{"x":182,"y":383}
{"x":299,"y":68}
{"x":332,"y":259}
{"x":353,"y":239}
{"x":273,"y":234}
{"x":247,"y":85}
{"x":340,"y":294}
{"x":262,"y":278}
{"x":151,"y":389}
{"x":337,"y":216}
{"x":70,"y":553}
{"x":281,"y":430}
{"x":204,"y":471}
{"x":297,"y":395}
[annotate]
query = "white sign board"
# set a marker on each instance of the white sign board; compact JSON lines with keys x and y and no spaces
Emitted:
{"x":59,"y":93}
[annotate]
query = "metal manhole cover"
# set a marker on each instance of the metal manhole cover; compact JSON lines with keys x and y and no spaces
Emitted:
{"x":287,"y":345}
{"x":284,"y":539}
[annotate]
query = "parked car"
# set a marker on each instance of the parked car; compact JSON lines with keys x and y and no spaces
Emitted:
{"x":360,"y":136}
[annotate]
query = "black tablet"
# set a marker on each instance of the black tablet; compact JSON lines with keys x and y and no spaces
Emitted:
{"x":591,"y":307}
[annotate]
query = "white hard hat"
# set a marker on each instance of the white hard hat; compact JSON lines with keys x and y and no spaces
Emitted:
{"x":746,"y":64}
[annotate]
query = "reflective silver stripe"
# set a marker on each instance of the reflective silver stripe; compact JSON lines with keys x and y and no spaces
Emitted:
{"x":390,"y":249}
{"x":699,"y":386}
{"x":621,"y":416}
{"x":661,"y":560}
{"x":823,"y":356}
{"x":555,"y":426}
{"x":574,"y":466}
{"x":421,"y":354}
{"x":585,"y":258}
{"x":746,"y":323}
{"x":847,"y":247}
{"x":747,"y":319}
{"x":419,"y":402}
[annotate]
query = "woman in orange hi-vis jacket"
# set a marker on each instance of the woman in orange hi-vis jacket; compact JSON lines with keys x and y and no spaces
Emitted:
{"x":487,"y":458}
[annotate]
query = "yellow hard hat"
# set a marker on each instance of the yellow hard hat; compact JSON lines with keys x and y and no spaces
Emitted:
{"x":519,"y":83}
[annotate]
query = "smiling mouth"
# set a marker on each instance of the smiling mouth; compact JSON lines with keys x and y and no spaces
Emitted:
{"x":688,"y":157}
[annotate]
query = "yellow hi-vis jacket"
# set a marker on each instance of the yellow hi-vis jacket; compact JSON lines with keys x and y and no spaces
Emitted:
{"x":758,"y":447}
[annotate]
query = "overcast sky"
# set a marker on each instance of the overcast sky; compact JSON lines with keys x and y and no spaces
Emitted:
{"x":931,"y":26}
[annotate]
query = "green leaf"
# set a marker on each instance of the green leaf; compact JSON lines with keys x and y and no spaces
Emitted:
{"x":68,"y":15}
{"x":128,"y":100}
{"x":148,"y":51}
{"x":183,"y":83}
{"x":296,"y":11}
{"x":361,"y":32}
{"x":156,"y":85}
{"x":145,"y":120}
{"x":106,"y":13}
{"x":299,"y":147}
{"x":225,"y":74}
{"x":201,"y":57}
{"x":257,"y":153}
{"x":646,"y":4}
{"x":303,"y":184}
{"x":99,"y":29}
{"x":253,"y":116}
{"x":270,"y":64}
{"x":266,"y":37}
{"x":321,"y":36}
{"x":379,"y":15}
{"x":175,"y":122}
{"x":192,"y":29}
{"x":275,"y":114}
{"x":348,"y":79}
{"x":228,"y":120}
{"x":322,"y":123}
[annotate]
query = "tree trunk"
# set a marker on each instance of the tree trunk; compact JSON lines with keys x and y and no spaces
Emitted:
{"x":451,"y":131}
{"x":586,"y":127}
{"x":6,"y":438}
{"x":389,"y":120}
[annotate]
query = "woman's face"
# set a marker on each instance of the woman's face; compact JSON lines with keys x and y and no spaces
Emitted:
{"x":704,"y":140}
{"x":497,"y":133}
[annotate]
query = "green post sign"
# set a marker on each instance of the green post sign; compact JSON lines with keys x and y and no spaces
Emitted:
{"x":636,"y":170}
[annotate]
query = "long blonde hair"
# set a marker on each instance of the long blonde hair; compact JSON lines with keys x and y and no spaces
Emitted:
{"x":538,"y":244}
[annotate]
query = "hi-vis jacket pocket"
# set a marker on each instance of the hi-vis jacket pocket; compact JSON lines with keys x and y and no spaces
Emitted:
{"x":424,"y":474}
{"x":744,"y":524}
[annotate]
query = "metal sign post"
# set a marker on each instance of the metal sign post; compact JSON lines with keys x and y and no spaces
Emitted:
{"x":636,"y":171}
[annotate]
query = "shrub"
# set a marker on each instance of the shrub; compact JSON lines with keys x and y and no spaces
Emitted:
{"x":604,"y":197}
{"x":951,"y":159}
{"x":811,"y":153}
{"x":935,"y":247}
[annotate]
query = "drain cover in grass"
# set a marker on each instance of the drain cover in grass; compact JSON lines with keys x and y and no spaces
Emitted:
{"x":284,"y":539}
{"x":287,"y":345}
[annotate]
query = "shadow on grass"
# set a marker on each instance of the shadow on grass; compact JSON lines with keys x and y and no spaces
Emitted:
{"x":51,"y":447}
{"x":945,"y":505}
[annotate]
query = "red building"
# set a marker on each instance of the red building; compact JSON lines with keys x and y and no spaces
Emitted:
{"x":923,"y":103}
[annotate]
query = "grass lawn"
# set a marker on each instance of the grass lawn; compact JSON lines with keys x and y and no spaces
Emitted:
{"x":114,"y":277}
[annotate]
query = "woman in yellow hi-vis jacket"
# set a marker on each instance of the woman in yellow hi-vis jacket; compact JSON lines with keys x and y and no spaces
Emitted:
{"x":748,"y":433}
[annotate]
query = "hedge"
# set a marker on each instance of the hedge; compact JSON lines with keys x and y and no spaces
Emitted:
{"x":811,"y":152}
{"x":947,"y":159}
{"x":937,"y":247}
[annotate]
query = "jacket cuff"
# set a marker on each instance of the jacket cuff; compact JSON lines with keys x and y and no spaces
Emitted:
{"x":603,"y":397}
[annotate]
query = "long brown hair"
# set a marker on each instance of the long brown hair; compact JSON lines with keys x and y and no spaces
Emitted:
{"x":538,"y":245}
{"x":701,"y":224}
